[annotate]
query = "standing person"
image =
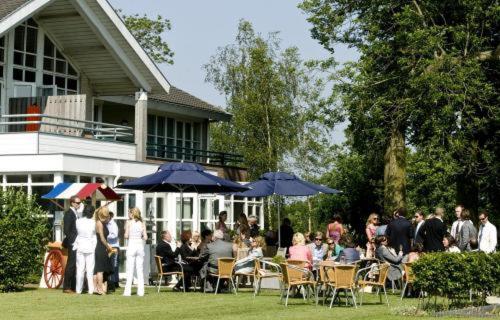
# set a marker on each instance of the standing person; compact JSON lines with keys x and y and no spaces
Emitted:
{"x":399,"y":231}
{"x":85,"y":246}
{"x":114,"y":278}
{"x":433,"y":231}
{"x":371,"y":230}
{"x":135,"y":232}
{"x":468,"y":232}
{"x":221,"y":225}
{"x":487,"y":237}
{"x":457,"y":225}
{"x":241,"y":226}
{"x":254,"y":227}
{"x":382,"y":226}
{"x":419,"y":222}
{"x":70,"y":234}
{"x":335,"y":229}
{"x":286,"y":234}
{"x":103,"y":266}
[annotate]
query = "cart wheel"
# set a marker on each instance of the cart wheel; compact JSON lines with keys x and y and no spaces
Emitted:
{"x":53,"y":269}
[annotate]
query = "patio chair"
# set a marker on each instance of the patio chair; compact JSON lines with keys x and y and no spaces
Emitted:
{"x":281,"y":252}
{"x":326,"y":277}
{"x":408,"y":277}
{"x":225,"y":271}
{"x":238,"y":274}
{"x":262,"y":272}
{"x":379,"y":282}
{"x":294,"y":276}
{"x":298,"y":263}
{"x":161,"y":273}
{"x":344,"y":276}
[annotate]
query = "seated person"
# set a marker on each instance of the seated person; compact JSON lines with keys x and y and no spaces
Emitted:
{"x":215,"y":250}
{"x":414,"y":254}
{"x":386,"y":254}
{"x":349,"y":254}
{"x":299,"y":250}
{"x":241,"y":244}
{"x":318,"y":250}
{"x":195,"y":242}
{"x":188,"y":255}
{"x":450,"y":245}
{"x":206,"y":238}
{"x":169,"y":260}
{"x":247,"y":265}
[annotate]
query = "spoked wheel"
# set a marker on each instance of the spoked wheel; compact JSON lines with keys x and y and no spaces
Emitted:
{"x":53,"y":269}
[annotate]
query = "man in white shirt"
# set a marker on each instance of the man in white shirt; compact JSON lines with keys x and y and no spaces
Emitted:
{"x":457,"y":225}
{"x":487,"y":236}
{"x":114,"y":278}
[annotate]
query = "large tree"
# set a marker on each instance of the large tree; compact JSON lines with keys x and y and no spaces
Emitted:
{"x":427,"y":78}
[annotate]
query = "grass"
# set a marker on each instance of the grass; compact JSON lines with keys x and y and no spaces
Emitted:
{"x":53,"y":304}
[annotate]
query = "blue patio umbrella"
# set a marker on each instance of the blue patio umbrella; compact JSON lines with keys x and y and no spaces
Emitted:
{"x":283,"y":184}
{"x":182,"y":177}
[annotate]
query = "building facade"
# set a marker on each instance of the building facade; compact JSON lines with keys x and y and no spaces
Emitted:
{"x":80,"y":101}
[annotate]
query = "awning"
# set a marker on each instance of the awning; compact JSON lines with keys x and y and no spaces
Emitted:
{"x":82,"y":190}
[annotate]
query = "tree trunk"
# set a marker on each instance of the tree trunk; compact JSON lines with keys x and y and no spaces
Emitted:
{"x":394,"y":172}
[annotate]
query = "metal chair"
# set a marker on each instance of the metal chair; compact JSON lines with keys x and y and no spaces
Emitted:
{"x":261,"y":272}
{"x":238,"y":274}
{"x":344,"y":280}
{"x":225,"y":271}
{"x":161,"y":273}
{"x":294,"y":276}
{"x":383,"y":271}
{"x":408,"y":277}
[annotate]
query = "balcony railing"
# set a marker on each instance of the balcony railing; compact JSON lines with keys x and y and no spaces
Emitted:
{"x":38,"y":122}
{"x":168,"y":152}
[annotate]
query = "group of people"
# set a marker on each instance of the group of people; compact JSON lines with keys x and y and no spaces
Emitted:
{"x":199,"y":253}
{"x":91,"y":238}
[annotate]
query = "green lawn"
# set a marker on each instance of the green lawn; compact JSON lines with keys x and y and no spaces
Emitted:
{"x":53,"y":304}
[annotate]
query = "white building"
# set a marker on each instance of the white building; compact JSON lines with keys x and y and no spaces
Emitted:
{"x":80,"y":101}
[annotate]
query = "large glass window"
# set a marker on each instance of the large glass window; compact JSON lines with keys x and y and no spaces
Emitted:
{"x":25,"y":48}
{"x":57,"y":71}
{"x":2,"y":58}
{"x":209,"y":210}
{"x":184,"y":220}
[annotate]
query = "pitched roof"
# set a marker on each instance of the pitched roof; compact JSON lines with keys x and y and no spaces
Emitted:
{"x":9,"y":6}
{"x":180,"y":97}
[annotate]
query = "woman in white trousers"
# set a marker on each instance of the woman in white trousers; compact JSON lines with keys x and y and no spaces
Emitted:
{"x":85,"y":245}
{"x":135,"y":232}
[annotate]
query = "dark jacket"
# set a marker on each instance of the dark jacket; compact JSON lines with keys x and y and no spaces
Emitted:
{"x":417,"y":233}
{"x":286,"y":235}
{"x":433,"y":232}
{"x":351,"y":255}
{"x":186,"y":251}
{"x":400,"y":232}
{"x":164,"y":250}
{"x":69,"y":225}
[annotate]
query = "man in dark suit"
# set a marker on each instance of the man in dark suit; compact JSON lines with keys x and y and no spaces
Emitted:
{"x":419,"y":222}
{"x":212,"y":252}
{"x":400,"y":231}
{"x":433,"y":232}
{"x":169,"y":260}
{"x":70,"y":233}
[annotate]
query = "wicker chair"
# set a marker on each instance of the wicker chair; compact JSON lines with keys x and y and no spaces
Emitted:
{"x":294,"y":276}
{"x":326,"y":277}
{"x":297,"y":263}
{"x":261,"y":272}
{"x":344,"y":280}
{"x":409,"y":277}
{"x":383,"y":270}
{"x":225,"y":271}
{"x":161,"y":273}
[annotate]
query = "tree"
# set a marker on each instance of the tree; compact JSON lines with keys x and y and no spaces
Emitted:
{"x":427,"y":78}
{"x":148,"y":33}
{"x":24,"y":233}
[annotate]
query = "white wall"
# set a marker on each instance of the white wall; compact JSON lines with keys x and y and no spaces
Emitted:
{"x":19,"y":143}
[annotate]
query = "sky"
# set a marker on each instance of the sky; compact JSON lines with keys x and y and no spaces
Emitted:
{"x":199,"y":27}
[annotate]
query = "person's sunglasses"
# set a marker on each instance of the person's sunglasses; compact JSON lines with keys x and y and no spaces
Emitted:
{"x":77,"y":202}
{"x":330,"y":243}
{"x":318,"y":239}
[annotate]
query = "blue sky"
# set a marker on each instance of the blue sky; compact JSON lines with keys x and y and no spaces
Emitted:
{"x":200,"y":27}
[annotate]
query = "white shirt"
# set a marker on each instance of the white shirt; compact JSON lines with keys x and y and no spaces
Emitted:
{"x":135,"y":230}
{"x":86,"y":240}
{"x":487,"y":237}
{"x":113,"y":233}
{"x":455,"y":228}
{"x":419,"y":225}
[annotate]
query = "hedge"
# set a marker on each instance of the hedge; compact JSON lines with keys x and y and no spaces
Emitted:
{"x":455,"y":275}
{"x":24,"y":232}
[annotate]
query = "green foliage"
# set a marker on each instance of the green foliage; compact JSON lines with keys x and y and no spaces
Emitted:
{"x":429,"y":70}
{"x":23,"y":233}
{"x":149,"y":34}
{"x":275,"y":101}
{"x":453,"y":275}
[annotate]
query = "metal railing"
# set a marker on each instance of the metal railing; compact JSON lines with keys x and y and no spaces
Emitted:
{"x":169,"y":152}
{"x":51,"y":124}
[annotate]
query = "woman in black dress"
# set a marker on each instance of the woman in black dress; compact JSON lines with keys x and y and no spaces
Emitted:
{"x":103,"y":266}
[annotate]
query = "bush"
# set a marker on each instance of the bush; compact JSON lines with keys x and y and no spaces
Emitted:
{"x":23,"y":233}
{"x":454,"y":275}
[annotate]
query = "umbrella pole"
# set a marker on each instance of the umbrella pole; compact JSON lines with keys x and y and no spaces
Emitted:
{"x":279,"y":223}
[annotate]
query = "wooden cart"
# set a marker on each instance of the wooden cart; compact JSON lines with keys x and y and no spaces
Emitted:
{"x":55,"y":264}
